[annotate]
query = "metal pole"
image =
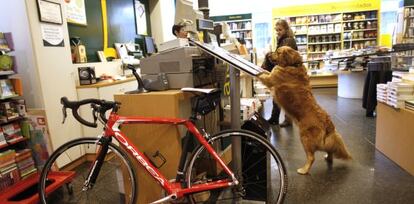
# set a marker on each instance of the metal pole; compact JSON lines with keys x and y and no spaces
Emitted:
{"x":235,"y":122}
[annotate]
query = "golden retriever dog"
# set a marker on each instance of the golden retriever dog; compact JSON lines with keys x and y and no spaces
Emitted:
{"x":289,"y":83}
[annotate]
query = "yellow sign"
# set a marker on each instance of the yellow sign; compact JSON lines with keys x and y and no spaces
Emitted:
{"x":334,"y":7}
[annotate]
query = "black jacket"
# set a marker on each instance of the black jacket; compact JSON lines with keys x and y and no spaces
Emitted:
{"x":268,"y":64}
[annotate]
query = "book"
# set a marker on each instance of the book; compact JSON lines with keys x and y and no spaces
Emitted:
{"x":7,"y":155}
{"x":2,"y":138}
{"x":6,"y":88}
{"x":7,"y":169}
{"x":12,"y":132}
{"x":6,"y":163}
{"x":3,"y":43}
{"x":8,"y":111}
{"x":9,"y":178}
{"x":27,"y":173}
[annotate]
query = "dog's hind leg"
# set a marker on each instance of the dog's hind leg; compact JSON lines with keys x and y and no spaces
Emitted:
{"x":310,"y":156}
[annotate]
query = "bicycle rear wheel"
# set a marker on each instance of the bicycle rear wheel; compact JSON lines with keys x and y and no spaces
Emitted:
{"x":262,"y":174}
{"x":114,"y":184}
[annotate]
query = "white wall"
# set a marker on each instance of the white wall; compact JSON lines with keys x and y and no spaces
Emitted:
{"x":14,"y":19}
{"x":55,"y":73}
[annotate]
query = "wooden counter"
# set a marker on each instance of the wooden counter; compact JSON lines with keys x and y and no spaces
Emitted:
{"x":149,"y":138}
{"x":395,"y":135}
{"x":106,"y":83}
{"x":323,"y":80}
{"x":351,"y":84}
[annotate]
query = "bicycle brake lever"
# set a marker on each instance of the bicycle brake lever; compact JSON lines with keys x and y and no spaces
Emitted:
{"x":65,"y":115}
{"x":94,"y":112}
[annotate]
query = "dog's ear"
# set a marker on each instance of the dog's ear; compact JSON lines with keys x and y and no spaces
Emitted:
{"x":287,"y":56}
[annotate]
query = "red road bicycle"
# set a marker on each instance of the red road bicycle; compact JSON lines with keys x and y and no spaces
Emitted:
{"x":104,"y":173}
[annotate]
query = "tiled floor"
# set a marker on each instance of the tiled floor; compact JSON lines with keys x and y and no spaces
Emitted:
{"x":369,"y":178}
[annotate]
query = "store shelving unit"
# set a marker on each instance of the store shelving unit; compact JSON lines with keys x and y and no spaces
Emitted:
{"x":317,"y":34}
{"x":18,"y":173}
{"x":404,"y":60}
{"x":240,"y":26}
{"x":10,"y":91}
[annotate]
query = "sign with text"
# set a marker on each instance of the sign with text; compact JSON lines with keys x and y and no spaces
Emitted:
{"x":76,"y":12}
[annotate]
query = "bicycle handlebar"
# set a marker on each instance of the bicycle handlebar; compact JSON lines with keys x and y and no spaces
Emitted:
{"x":98,"y":106}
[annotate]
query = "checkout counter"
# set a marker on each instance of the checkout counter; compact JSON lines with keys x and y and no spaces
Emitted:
{"x":394,"y":135}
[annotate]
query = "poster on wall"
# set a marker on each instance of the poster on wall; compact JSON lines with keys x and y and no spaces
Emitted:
{"x":52,"y":35}
{"x":76,"y":12}
{"x":140,"y":18}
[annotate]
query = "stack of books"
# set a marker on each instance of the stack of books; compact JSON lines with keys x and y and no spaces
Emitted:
{"x":409,"y":105}
{"x":382,"y":93}
{"x":9,"y":174}
{"x":398,"y":93}
{"x":397,"y":76}
{"x":406,"y":77}
{"x":11,"y":132}
{"x":25,"y":163}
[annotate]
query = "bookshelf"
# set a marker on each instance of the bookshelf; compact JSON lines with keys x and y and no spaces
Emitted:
{"x":317,"y":34}
{"x":18,"y":161}
{"x":404,"y":60}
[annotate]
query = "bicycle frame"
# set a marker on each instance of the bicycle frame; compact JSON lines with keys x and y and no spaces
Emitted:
{"x":174,"y":189}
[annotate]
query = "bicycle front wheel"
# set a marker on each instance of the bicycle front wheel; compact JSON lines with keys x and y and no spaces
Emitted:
{"x":261,"y":172}
{"x":114,"y":184}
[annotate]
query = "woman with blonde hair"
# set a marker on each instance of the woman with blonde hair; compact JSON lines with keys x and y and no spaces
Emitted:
{"x":285,"y":37}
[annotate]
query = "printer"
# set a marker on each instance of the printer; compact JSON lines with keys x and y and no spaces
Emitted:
{"x":183,"y":66}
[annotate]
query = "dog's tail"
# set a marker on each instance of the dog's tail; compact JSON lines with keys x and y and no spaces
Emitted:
{"x":340,"y":150}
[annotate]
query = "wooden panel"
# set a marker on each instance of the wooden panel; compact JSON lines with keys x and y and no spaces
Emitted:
{"x":150,"y":138}
{"x":394,"y":135}
{"x":106,"y":83}
{"x":323,"y":81}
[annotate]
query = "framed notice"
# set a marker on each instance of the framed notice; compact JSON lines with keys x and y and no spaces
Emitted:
{"x":76,"y":12}
{"x":49,"y":12}
{"x":140,"y":18}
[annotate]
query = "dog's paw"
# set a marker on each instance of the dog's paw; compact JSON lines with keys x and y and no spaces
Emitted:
{"x":302,"y":171}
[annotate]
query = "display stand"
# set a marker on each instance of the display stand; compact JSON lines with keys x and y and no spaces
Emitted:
{"x":25,"y":191}
{"x":351,"y":83}
{"x":235,"y":119}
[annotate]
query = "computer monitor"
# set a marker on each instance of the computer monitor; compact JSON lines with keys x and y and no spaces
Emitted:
{"x":184,"y":11}
{"x":146,"y":44}
{"x":204,"y":24}
{"x":149,"y":45}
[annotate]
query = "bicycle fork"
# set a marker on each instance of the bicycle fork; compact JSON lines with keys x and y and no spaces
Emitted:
{"x":95,"y":168}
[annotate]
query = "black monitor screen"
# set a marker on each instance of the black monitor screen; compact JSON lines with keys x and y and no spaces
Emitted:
{"x":149,"y":45}
{"x":204,"y":24}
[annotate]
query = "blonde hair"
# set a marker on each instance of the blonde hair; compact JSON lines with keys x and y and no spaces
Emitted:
{"x":284,"y":24}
